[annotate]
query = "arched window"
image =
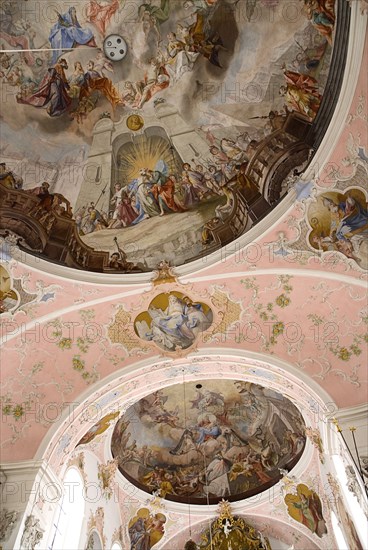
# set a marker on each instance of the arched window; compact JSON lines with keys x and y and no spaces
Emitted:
{"x":116,"y":546}
{"x":69,"y":517}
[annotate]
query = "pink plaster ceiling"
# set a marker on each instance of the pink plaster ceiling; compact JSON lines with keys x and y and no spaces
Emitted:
{"x":281,"y":299}
{"x":285,"y":315}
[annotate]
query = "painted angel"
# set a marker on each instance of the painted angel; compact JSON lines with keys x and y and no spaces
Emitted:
{"x":101,"y":13}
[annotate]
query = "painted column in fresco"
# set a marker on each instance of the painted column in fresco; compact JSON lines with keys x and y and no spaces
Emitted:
{"x":96,"y":181}
{"x":188,"y":143}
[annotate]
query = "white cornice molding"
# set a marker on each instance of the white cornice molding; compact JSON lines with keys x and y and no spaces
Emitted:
{"x":31,"y":468}
{"x":308,"y":273}
{"x":21,"y":467}
{"x":351,"y":414}
{"x":58,"y":313}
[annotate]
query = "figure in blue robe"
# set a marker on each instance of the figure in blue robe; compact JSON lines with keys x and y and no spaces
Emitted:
{"x":355,"y":221}
{"x":67,"y":33}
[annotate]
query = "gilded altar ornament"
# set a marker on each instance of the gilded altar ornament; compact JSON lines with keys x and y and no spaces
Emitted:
{"x":229,"y":531}
{"x":135,"y":122}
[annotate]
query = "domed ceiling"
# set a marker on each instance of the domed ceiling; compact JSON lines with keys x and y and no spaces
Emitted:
{"x":200,"y":442}
{"x":172,"y":151}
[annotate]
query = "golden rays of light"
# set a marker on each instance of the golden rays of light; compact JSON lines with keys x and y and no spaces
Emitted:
{"x":144,"y":153}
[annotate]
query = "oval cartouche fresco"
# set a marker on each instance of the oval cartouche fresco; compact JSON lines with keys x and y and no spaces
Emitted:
{"x":8,"y":297}
{"x":173,"y":321}
{"x":339,"y":223}
{"x":169,"y":153}
{"x":200,"y":442}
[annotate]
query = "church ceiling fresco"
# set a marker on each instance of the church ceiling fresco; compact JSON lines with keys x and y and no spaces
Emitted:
{"x":318,"y":326}
{"x":340,"y":222}
{"x":288,"y":309}
{"x":171,"y":152}
{"x":200,"y":442}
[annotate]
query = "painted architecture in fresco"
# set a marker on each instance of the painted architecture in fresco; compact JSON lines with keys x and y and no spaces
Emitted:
{"x":225,"y":439}
{"x":171,"y":153}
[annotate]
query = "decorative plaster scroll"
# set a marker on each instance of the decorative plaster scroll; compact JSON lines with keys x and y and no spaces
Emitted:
{"x":7,"y":521}
{"x":354,"y":486}
{"x":32,"y":533}
{"x":15,"y":297}
{"x":315,"y":437}
{"x":163,"y":274}
{"x":118,"y":536}
{"x":106,"y":473}
{"x":97,"y":521}
{"x":78,"y":461}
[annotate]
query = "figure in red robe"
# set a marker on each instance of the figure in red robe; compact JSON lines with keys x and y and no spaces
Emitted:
{"x":155,"y":80}
{"x":100,"y":14}
{"x":163,"y":191}
{"x":53,"y":91}
{"x":93,"y":80}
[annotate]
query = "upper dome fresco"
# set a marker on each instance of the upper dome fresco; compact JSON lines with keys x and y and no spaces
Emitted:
{"x":171,"y":151}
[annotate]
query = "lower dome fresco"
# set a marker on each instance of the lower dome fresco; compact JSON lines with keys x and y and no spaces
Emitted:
{"x":200,"y":442}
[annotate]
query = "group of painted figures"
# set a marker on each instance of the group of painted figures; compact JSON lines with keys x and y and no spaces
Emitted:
{"x":159,"y":192}
{"x":219,"y":452}
{"x":45,"y":79}
{"x":42,"y":79}
{"x":79,"y":92}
